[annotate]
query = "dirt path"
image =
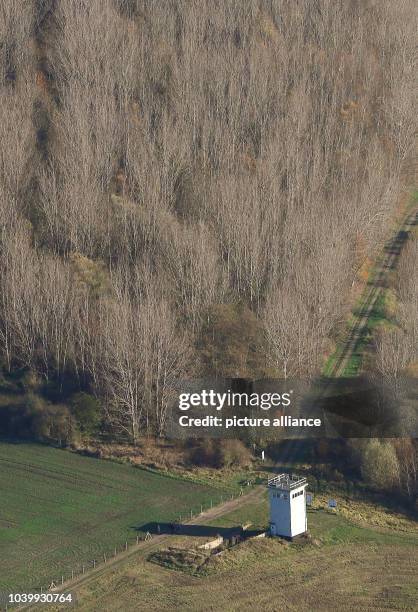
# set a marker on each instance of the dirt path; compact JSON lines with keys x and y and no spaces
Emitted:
{"x":156,"y":541}
{"x":350,"y":345}
{"x":386,"y":263}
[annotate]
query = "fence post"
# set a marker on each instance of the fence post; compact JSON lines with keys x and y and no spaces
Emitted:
{"x":94,"y":563}
{"x":72,"y":574}
{"x":126,"y":545}
{"x":137,"y":539}
{"x":191,"y":513}
{"x":83,"y":569}
{"x":62,"y":579}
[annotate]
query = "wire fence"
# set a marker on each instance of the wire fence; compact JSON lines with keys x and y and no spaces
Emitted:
{"x":61,"y":582}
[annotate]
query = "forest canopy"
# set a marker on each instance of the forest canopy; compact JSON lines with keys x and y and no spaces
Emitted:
{"x":174,"y":171}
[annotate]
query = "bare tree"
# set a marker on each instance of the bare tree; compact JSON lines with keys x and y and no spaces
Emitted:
{"x":394,"y":350}
{"x":141,"y":357}
{"x":199,"y":153}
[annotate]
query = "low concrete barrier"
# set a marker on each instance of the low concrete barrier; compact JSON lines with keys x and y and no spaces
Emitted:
{"x":212,"y":544}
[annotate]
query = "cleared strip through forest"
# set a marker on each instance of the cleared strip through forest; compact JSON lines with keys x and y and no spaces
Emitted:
{"x":385,"y":263}
{"x":350,"y":344}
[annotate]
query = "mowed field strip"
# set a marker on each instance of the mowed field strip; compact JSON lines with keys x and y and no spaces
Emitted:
{"x":60,"y":510}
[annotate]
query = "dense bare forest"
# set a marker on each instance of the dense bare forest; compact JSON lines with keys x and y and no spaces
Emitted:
{"x":397,"y":348}
{"x":169,"y":169}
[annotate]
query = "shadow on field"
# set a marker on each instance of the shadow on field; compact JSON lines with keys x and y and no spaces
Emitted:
{"x":203,"y":531}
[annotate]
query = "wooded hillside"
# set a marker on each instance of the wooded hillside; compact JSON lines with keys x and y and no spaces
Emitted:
{"x":171,"y":169}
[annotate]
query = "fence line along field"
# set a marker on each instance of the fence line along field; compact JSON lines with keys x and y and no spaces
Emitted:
{"x":358,"y":557}
{"x":59,"y":510}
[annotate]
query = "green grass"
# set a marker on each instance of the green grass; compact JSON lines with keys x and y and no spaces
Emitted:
{"x":347,"y":565}
{"x":333,"y":528}
{"x":255,"y":513}
{"x":328,"y":526}
{"x":60,"y":510}
{"x":379,"y":316}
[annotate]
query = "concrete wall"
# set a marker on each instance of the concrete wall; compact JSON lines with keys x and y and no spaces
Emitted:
{"x":212,"y":544}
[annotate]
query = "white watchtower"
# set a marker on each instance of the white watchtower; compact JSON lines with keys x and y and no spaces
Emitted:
{"x":287,"y":505}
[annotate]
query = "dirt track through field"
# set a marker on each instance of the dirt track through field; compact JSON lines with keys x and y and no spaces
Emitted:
{"x":146,"y":546}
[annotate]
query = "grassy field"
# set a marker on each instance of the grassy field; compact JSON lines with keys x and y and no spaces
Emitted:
{"x":380,"y":315}
{"x":60,"y":510}
{"x":347,"y":566}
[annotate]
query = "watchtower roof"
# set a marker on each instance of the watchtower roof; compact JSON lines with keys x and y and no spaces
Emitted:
{"x":286,"y":482}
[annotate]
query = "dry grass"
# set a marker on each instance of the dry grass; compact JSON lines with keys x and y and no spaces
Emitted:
{"x":368,"y":514}
{"x":342,"y":566}
{"x":265,"y":575}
